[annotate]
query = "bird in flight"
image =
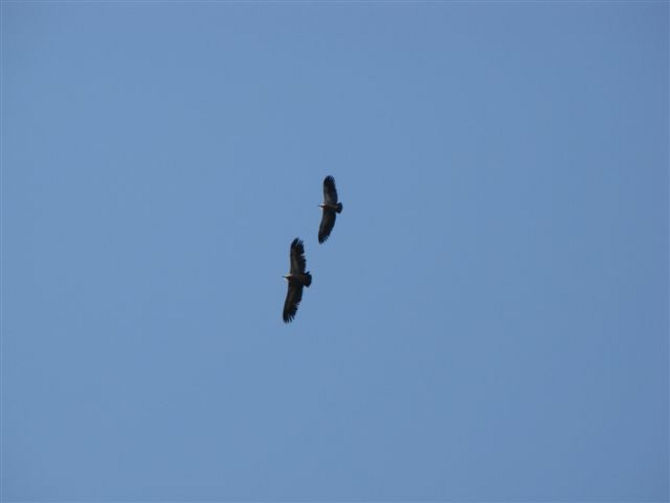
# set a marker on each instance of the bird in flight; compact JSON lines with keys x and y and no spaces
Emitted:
{"x":330,"y":207}
{"x":297,"y":279}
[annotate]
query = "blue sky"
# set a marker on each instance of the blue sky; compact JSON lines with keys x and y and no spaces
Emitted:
{"x":488,"y":321}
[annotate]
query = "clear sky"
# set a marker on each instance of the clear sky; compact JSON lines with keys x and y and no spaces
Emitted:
{"x":488,"y":321}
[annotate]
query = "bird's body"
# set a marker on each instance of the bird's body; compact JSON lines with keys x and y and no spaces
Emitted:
{"x":330,"y":207}
{"x":297,"y":279}
{"x":300,"y":279}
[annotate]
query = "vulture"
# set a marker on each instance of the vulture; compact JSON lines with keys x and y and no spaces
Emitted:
{"x":297,"y":279}
{"x":330,"y":207}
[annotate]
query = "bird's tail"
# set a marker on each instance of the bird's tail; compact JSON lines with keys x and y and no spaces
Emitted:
{"x":308,"y":279}
{"x":339,"y":208}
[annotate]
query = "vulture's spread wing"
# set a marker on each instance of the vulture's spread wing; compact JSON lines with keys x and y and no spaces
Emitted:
{"x":297,"y":257}
{"x":327,"y":224}
{"x":329,"y":190}
{"x":293,"y":297}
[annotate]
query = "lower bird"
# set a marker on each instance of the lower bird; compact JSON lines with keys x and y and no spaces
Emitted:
{"x":297,"y":279}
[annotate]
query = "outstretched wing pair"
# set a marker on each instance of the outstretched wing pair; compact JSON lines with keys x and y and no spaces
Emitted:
{"x":298,"y":278}
{"x":330,"y":208}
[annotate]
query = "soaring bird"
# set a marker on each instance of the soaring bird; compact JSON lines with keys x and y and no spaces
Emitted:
{"x":297,"y":278}
{"x":330,"y":207}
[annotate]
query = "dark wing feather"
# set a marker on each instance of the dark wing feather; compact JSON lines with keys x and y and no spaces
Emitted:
{"x":329,"y":190}
{"x":327,"y":224}
{"x":298,"y":262}
{"x":293,"y":298}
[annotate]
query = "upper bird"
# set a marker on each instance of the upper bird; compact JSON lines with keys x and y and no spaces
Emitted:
{"x":330,"y":206}
{"x":297,"y":278}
